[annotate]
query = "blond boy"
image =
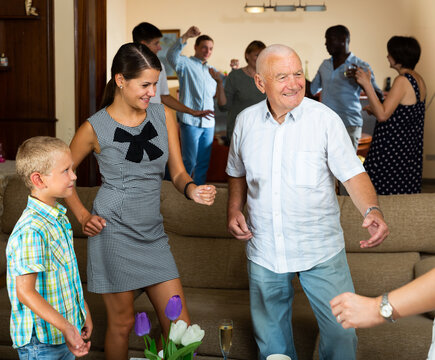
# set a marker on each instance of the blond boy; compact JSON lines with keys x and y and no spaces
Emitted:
{"x":49,"y":317}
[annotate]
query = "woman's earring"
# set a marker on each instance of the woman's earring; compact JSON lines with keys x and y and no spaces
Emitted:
{"x":120,"y":86}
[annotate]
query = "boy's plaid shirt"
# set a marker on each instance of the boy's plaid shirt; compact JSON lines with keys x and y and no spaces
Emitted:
{"x":42,"y":243}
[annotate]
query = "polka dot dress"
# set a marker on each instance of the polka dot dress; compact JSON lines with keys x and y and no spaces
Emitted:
{"x":395,"y":159}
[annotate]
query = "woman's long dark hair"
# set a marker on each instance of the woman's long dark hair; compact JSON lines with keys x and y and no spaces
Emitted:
{"x":130,"y":60}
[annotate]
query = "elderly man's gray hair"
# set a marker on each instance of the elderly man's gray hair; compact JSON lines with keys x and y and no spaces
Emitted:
{"x":275,"y":49}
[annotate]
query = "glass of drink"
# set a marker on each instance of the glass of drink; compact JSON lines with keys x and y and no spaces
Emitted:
{"x":349,"y":71}
{"x":225,"y":336}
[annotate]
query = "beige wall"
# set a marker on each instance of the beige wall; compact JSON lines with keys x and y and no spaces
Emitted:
{"x":64,"y":68}
{"x":232,"y":28}
{"x":371,"y":22}
{"x":423,"y":28}
{"x":116,"y":29}
{"x":64,"y":57}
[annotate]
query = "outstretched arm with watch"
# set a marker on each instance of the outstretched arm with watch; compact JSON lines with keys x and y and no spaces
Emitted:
{"x":355,"y":311}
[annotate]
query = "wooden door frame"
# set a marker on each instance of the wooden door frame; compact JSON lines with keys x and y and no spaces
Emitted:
{"x":90,"y":28}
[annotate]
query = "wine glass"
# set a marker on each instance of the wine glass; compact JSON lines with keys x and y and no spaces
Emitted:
{"x":225,"y":336}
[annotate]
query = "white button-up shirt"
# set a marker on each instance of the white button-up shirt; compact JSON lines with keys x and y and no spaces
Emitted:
{"x":161,"y":88}
{"x":289,"y":168}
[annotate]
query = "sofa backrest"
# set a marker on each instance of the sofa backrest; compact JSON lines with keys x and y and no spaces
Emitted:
{"x":15,"y":200}
{"x":410,"y":219}
{"x":207,"y":256}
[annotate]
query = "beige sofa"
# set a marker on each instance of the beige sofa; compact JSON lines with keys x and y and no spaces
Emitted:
{"x":213,"y":272}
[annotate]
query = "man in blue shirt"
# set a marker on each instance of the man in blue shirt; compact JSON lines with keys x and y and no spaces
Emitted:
{"x":336,"y":79}
{"x":197,"y":89}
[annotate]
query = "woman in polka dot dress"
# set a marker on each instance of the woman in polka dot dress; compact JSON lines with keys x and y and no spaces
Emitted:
{"x":395,"y":159}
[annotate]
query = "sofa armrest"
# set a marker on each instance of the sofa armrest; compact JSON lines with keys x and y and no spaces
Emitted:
{"x":422,"y":267}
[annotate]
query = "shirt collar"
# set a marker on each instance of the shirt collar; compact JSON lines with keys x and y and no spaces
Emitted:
{"x":350,"y":59}
{"x":194,"y":58}
{"x":52,"y":214}
{"x":292,"y":115}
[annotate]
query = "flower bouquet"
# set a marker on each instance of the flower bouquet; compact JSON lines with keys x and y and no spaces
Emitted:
{"x":182,"y":340}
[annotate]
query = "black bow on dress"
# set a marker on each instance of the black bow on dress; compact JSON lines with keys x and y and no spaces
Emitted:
{"x":139,"y":143}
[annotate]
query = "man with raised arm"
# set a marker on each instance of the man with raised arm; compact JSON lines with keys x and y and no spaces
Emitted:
{"x":150,"y":36}
{"x":197,"y":89}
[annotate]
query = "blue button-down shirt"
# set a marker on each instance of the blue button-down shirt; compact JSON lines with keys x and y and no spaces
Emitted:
{"x":197,"y":87}
{"x":340,"y":93}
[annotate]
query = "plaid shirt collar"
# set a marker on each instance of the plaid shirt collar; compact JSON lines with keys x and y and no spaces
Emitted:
{"x":50,"y":213}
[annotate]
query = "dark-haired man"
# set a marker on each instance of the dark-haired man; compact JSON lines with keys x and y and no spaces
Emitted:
{"x":197,"y":89}
{"x":336,"y":79}
{"x":149,"y":35}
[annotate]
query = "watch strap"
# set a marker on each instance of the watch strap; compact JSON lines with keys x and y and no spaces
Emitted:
{"x":385,"y":302}
{"x":371,"y":208}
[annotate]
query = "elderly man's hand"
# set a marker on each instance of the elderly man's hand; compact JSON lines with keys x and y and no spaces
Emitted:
{"x":378,"y":229}
{"x":237,"y":226}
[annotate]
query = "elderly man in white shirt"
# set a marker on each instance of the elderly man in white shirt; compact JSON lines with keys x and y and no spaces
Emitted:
{"x":284,"y":154}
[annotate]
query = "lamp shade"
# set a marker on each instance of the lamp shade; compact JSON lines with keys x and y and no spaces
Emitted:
{"x":285,"y":8}
{"x":315,"y":8}
{"x":254,"y":9}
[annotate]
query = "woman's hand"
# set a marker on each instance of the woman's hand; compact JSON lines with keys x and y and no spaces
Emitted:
{"x":363,"y":77}
{"x":234,"y":64}
{"x":368,"y":109}
{"x":92,"y":225}
{"x":202,"y":194}
{"x":355,"y":311}
{"x":216,"y":75}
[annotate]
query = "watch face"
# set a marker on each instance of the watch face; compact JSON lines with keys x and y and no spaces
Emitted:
{"x":386,"y":310}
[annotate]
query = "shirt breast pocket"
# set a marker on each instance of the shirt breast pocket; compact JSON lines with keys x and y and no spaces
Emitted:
{"x":305,"y":168}
{"x":59,"y":258}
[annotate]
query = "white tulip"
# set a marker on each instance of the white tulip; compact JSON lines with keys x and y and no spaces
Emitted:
{"x":177,"y":331}
{"x":193,"y":334}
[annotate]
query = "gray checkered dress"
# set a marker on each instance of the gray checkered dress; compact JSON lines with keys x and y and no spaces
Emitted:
{"x":132,"y":251}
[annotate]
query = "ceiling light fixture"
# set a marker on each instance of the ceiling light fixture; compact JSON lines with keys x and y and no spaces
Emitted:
{"x":255,"y":9}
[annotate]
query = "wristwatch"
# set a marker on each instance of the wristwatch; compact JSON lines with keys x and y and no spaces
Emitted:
{"x":386,"y":310}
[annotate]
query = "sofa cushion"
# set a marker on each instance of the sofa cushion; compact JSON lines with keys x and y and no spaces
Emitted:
{"x":14,"y":202}
{"x":81,"y":250}
{"x":206,"y":307}
{"x":373,"y":274}
{"x":422,"y":267}
{"x":189,"y":218}
{"x":408,"y":338}
{"x":207,"y":262}
{"x":5,"y":316}
{"x":86,"y":195}
{"x":3,"y":243}
{"x":409,"y":218}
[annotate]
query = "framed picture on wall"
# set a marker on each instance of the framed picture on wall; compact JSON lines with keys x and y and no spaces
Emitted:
{"x":168,"y":39}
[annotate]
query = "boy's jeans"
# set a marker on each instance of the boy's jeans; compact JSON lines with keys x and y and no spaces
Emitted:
{"x":36,"y":350}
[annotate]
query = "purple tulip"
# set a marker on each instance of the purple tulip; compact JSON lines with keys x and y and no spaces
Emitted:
{"x":142,"y":324}
{"x":173,"y":309}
